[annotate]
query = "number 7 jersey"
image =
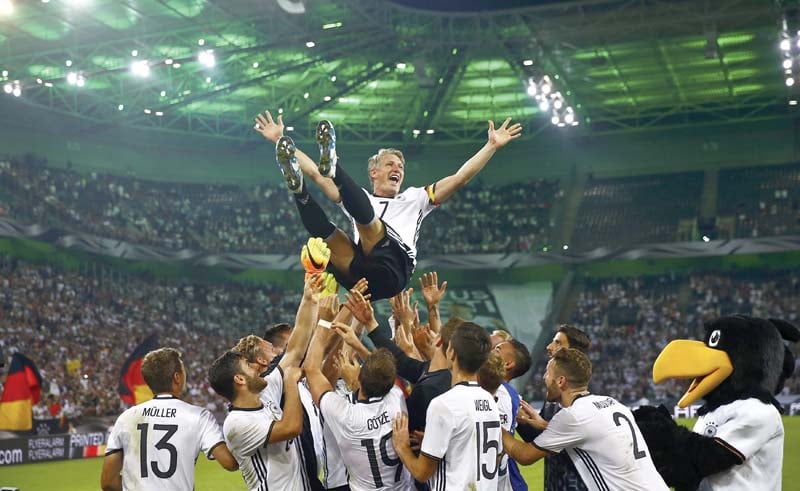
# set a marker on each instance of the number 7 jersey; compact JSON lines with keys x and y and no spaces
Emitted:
{"x":463,"y":433}
{"x":159,"y":440}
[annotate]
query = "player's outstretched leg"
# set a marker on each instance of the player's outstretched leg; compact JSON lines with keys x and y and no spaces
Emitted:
{"x":354,"y":198}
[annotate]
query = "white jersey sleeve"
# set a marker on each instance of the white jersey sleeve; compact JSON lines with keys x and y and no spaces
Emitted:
{"x":438,"y":429}
{"x":210,"y":433}
{"x":562,"y":431}
{"x":249,"y":433}
{"x":273,"y":392}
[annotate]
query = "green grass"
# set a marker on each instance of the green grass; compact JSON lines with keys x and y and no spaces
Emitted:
{"x":84,"y":475}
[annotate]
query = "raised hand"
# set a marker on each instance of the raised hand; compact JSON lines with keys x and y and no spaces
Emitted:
{"x":361,"y":308}
{"x":424,"y":341}
{"x":329,"y":307}
{"x":348,"y":368}
{"x":400,"y":430}
{"x":432,"y":293}
{"x":315,"y":285}
{"x":268,"y":128}
{"x":401,"y":307}
{"x":527,"y":415}
{"x":346,"y":332}
{"x":504,"y":134}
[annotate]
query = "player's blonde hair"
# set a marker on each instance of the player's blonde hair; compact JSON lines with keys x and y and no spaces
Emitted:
{"x":574,"y":365}
{"x":373,"y":161}
{"x":492,"y":373}
{"x":250,"y":347}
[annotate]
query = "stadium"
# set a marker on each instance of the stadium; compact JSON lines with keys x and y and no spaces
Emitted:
{"x":646,"y":191}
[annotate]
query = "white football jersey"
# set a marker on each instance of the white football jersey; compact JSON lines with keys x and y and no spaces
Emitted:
{"x":603,"y":441}
{"x":403,"y":216}
{"x":506,"y":409}
{"x":159,"y":440}
{"x":755,"y":430}
{"x":463,"y":433}
{"x":334,"y":471}
{"x":265,"y":465}
{"x":364,"y":433}
{"x":329,"y":459}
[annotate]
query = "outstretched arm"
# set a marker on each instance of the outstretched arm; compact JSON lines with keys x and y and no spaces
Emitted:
{"x":272,"y":130}
{"x":305,"y":321}
{"x":498,"y":138}
{"x":523,"y":453}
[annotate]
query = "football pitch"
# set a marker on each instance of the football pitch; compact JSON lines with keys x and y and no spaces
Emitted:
{"x":84,"y":475}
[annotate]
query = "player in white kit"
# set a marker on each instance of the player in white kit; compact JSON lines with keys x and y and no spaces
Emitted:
{"x":261,"y":433}
{"x":462,"y":446}
{"x":386,"y":221}
{"x":598,"y":433}
{"x":363,"y":431}
{"x":155,"y":444}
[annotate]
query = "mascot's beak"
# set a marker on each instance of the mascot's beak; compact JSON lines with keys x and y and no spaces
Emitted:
{"x":683,"y":359}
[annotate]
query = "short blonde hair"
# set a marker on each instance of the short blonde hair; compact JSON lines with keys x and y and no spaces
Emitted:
{"x":492,"y":373}
{"x":249,"y":347}
{"x":373,"y":161}
{"x":502,"y":334}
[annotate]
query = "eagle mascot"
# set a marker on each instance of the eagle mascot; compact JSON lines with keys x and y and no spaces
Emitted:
{"x":737,"y":442}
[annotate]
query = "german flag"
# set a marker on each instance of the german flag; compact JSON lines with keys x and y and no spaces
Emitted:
{"x":23,"y":389}
{"x":132,"y":387}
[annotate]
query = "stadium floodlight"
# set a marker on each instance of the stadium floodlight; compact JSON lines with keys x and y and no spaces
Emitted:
{"x":416,"y":132}
{"x":147,"y":111}
{"x":207,"y":58}
{"x":176,"y":65}
{"x":787,"y":63}
{"x":401,"y":66}
{"x":290,"y":128}
{"x":333,"y":78}
{"x":120,"y":107}
{"x":39,"y":81}
{"x":785,"y":45}
{"x":163,"y":93}
{"x":332,"y":25}
{"x":134,"y":53}
{"x":305,"y":96}
{"x":793,"y":102}
{"x":327,"y":98}
{"x":527,"y":62}
{"x":68,"y":63}
{"x":310,"y":44}
{"x":544,"y":105}
{"x":48,"y":84}
{"x":280,"y":110}
{"x":201,"y":42}
{"x":208,"y":80}
{"x":17,"y":91}
{"x":159,"y":113}
{"x":706,"y":238}
{"x":532,"y":88}
{"x":546,"y":87}
{"x":5,"y":73}
{"x":140,"y":68}
{"x":558,"y":102}
{"x":6,"y":8}
{"x":255,"y":64}
{"x":565,"y":247}
{"x":789,"y":81}
{"x":569,"y":117}
{"x":169,"y":61}
{"x":429,"y":132}
{"x":555,"y":119}
{"x":8,"y":88}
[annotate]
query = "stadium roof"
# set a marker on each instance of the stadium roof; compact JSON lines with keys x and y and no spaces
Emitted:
{"x":389,"y":71}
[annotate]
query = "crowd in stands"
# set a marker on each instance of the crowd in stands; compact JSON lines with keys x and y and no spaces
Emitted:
{"x":627,"y":211}
{"x":257,"y":219}
{"x":94,"y":323}
{"x":631,"y":320}
{"x":764,"y":201}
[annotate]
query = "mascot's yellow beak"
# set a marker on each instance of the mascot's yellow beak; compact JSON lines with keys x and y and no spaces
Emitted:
{"x":683,"y":359}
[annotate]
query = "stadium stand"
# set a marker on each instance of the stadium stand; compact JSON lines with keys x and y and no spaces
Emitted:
{"x":764,"y":201}
{"x":627,"y":211}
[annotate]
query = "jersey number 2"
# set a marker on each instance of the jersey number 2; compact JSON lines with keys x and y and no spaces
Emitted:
{"x":637,"y":454}
{"x":162,"y":444}
{"x":485,"y":444}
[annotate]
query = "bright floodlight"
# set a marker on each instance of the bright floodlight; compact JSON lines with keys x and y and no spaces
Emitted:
{"x":416,"y":132}
{"x":121,"y":107}
{"x":546,"y":88}
{"x":569,"y":118}
{"x":789,"y":81}
{"x":544,"y":105}
{"x":401,"y":66}
{"x":6,"y":7}
{"x":558,"y":103}
{"x":326,"y":98}
{"x":787,"y":63}
{"x":706,"y":238}
{"x":527,"y":62}
{"x":430,"y":132}
{"x":8,"y":88}
{"x":72,"y":78}
{"x":310,"y":44}
{"x":207,"y":58}
{"x":785,"y":45}
{"x":555,"y":119}
{"x":532,"y":88}
{"x":140,"y":68}
{"x":17,"y":91}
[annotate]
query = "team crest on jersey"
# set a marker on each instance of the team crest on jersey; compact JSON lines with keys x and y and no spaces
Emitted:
{"x":275,"y":410}
{"x":710,"y":430}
